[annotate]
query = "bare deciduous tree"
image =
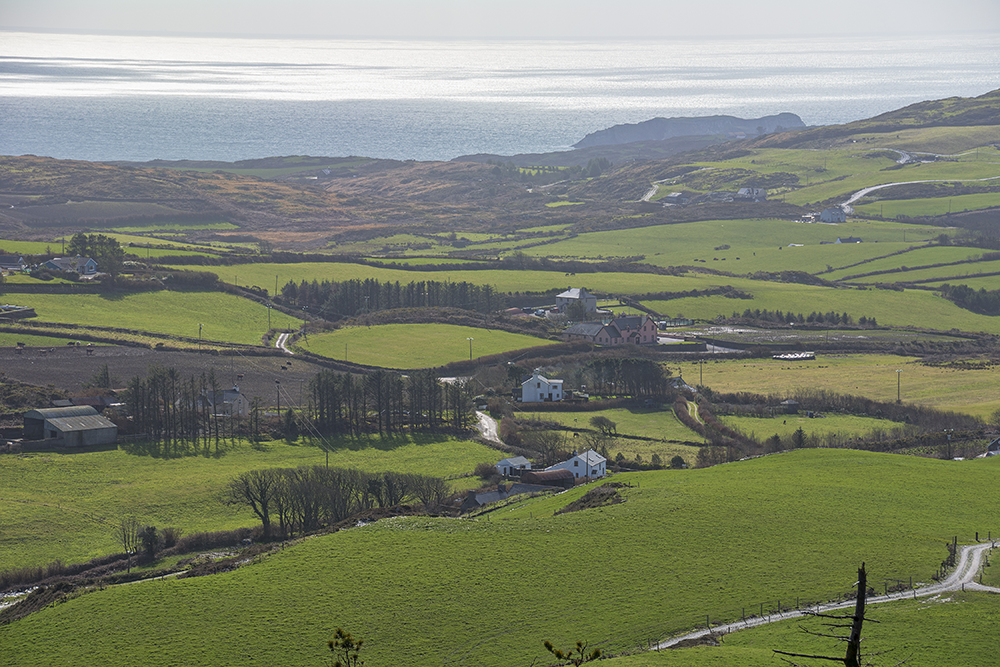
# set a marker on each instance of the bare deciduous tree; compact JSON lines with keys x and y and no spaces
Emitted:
{"x":128,"y":534}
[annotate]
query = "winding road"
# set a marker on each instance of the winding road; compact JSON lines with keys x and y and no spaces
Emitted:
{"x":280,"y":343}
{"x":962,"y":578}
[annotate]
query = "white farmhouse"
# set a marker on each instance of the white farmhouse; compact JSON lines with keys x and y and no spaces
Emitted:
{"x":538,"y":389}
{"x":589,"y":464}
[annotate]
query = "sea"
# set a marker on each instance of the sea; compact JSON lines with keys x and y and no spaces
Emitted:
{"x":145,"y":97}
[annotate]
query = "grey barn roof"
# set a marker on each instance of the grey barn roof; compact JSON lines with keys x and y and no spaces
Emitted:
{"x":82,"y":423}
{"x":58,"y":413}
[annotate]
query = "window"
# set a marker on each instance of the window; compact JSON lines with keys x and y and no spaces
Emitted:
{"x":576,"y":464}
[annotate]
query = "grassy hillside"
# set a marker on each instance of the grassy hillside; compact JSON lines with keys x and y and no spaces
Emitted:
{"x":946,"y":387}
{"x":686,"y":544}
{"x":61,"y":505}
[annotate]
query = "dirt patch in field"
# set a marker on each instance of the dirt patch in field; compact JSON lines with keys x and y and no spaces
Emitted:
{"x":69,"y":368}
{"x":605,"y":494}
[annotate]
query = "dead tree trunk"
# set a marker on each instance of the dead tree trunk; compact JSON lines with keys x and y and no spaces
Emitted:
{"x":854,"y":641}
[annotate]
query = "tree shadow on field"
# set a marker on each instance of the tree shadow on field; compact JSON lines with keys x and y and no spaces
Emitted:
{"x":174,"y":450}
{"x":384,"y":443}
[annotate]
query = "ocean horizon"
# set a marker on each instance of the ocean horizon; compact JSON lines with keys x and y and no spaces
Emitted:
{"x":139,"y":98}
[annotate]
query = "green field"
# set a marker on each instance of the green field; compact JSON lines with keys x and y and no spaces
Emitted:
{"x":669,"y":437}
{"x":174,"y":227}
{"x":890,"y":208}
{"x":872,"y":376}
{"x":912,"y":307}
{"x":762,"y":428}
{"x":916,"y":257}
{"x":414,"y":345}
{"x":686,"y":545}
{"x":224,"y":317}
{"x":60,"y":505}
{"x":754,"y":242}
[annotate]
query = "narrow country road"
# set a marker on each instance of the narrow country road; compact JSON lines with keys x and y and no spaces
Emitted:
{"x":280,"y":343}
{"x":488,"y":427}
{"x":861,"y":193}
{"x":962,"y":578}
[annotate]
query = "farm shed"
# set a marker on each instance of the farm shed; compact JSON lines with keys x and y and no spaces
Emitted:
{"x":561,"y":478}
{"x":69,"y":427}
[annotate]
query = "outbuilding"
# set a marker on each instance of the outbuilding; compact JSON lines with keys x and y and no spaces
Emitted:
{"x":77,"y":426}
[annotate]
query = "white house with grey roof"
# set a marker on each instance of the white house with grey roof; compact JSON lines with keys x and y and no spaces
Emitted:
{"x":512,"y":466}
{"x":540,"y":389}
{"x":589,"y":464}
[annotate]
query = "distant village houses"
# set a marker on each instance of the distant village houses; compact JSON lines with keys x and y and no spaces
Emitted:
{"x":628,"y":330}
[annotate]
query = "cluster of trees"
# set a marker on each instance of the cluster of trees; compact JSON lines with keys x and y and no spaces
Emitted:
{"x":982,"y":301}
{"x":304,"y":499}
{"x":387,"y":402}
{"x":354,"y":297}
{"x":776,"y":316}
{"x":628,"y":375}
{"x":173,"y":411}
{"x":104,"y":250}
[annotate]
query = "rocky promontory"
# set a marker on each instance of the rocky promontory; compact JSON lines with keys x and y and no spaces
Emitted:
{"x":658,"y":129}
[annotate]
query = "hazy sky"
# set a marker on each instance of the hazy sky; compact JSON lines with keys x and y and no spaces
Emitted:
{"x":505,"y":18}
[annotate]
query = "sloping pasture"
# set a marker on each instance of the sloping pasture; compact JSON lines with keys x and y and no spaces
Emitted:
{"x":840,"y":190}
{"x":872,"y":376}
{"x":917,"y":308}
{"x":753,"y":244}
{"x":685,"y":546}
{"x":224,"y":317}
{"x":889,"y":208}
{"x":955,"y":630}
{"x":916,"y":257}
{"x":62,"y":505}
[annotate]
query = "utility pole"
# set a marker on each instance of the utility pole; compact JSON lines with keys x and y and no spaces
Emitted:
{"x":277,"y":387}
{"x":897,"y":385}
{"x":470,"y":347}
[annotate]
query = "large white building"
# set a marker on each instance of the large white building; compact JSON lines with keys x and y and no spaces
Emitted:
{"x":539,"y":389}
{"x":589,"y":464}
